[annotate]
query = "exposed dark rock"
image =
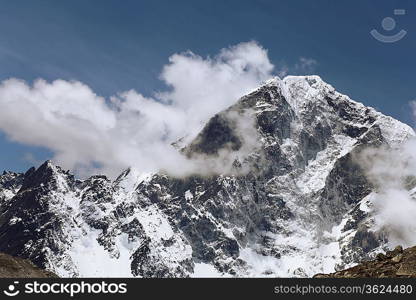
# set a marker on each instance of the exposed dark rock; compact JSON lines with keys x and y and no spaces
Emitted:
{"x":396,"y":263}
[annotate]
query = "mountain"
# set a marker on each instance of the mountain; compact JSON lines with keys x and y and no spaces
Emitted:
{"x":291,"y":198}
{"x":14,"y":267}
{"x":396,"y":263}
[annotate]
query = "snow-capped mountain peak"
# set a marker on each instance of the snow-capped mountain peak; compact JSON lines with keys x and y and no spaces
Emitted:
{"x":297,"y":204}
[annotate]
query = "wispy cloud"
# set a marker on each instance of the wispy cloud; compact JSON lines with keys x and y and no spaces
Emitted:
{"x":30,"y":158}
{"x":392,"y":171}
{"x":89,"y":134}
{"x":303,"y":66}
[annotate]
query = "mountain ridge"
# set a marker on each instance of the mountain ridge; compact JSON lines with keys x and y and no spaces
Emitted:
{"x":14,"y":267}
{"x":397,"y":263}
{"x":292,"y":203}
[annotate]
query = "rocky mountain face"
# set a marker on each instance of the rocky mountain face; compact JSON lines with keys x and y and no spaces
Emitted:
{"x":14,"y":267}
{"x":294,"y":202}
{"x":397,"y":263}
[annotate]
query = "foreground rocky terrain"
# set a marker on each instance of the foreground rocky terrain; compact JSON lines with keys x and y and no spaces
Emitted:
{"x":14,"y":267}
{"x":395,"y":263}
{"x":292,"y":199}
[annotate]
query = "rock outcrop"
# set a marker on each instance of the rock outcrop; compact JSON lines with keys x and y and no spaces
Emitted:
{"x":14,"y":267}
{"x":395,"y":263}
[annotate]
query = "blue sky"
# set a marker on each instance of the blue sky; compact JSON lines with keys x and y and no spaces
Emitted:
{"x":114,"y":46}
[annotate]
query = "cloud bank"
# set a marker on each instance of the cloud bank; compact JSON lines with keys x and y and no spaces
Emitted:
{"x":90,"y":134}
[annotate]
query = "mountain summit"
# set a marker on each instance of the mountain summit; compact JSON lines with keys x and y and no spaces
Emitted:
{"x":278,"y":192}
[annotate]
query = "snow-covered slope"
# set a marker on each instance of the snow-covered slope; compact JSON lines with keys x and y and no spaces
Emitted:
{"x":294,"y":203}
{"x":10,"y":184}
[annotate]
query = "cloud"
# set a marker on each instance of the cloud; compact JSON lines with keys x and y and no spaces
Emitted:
{"x":393,"y":173}
{"x":303,"y":66}
{"x":412,"y":105}
{"x":29,"y":157}
{"x":202,"y":87}
{"x":90,"y":134}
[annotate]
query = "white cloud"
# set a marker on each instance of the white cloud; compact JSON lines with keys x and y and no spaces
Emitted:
{"x":30,"y":158}
{"x":202,"y":87}
{"x":306,"y":65}
{"x":393,"y":173}
{"x":303,"y":66}
{"x":412,"y":105}
{"x":90,"y":134}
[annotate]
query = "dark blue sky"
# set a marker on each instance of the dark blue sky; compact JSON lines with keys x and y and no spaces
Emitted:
{"x":117,"y":45}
